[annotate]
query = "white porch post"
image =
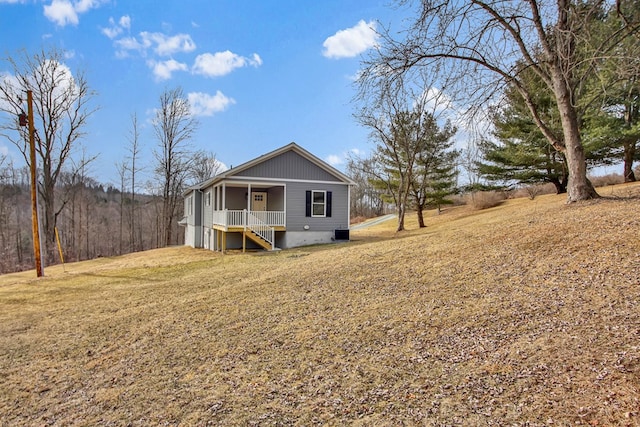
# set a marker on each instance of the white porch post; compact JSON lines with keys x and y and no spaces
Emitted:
{"x":224,"y":196}
{"x":249,"y":197}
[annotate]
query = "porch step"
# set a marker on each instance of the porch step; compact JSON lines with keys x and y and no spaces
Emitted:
{"x":259,"y":240}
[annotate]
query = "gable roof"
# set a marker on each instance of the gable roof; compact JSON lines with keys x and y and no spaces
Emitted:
{"x":265,"y":157}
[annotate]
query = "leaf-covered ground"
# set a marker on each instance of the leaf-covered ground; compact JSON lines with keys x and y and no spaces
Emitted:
{"x":523,"y":314}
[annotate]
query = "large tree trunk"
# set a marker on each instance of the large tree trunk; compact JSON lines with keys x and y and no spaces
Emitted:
{"x":420,"y":217}
{"x":561,"y":73}
{"x":561,"y":186}
{"x":401,"y":213}
{"x":579,"y":187}
{"x":48,"y":235}
{"x":403,"y":201}
{"x":629,"y":154}
{"x":402,"y":210}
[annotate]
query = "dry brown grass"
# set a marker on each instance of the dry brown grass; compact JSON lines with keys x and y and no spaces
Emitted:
{"x":485,"y":199}
{"x":523,"y":314}
{"x":605,"y":180}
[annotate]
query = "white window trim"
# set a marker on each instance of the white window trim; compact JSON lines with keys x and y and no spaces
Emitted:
{"x":190,"y":205}
{"x":324,"y":203}
{"x":207,"y":198}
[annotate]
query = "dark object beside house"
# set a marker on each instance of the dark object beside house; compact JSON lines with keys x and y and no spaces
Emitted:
{"x":342,"y":234}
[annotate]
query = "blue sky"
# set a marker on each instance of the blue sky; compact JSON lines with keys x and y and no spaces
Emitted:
{"x":259,"y":74}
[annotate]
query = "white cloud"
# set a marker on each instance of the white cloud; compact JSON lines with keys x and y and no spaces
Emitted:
{"x":167,"y":45}
{"x":334,"y":159}
{"x":61,"y":12}
{"x":156,"y":44}
{"x":7,"y":80}
{"x":66,"y":81}
{"x":222,"y":63}
{"x":438,"y":103}
{"x":203,"y":104}
{"x":115,"y":29}
{"x":111,"y":32}
{"x":163,"y":70}
{"x":352,"y":41}
{"x":127,"y":44}
{"x":160,"y":43}
{"x":82,"y":6}
{"x":64,"y":12}
{"x":341,"y":159}
{"x":255,"y":61}
{"x":125,"y":22}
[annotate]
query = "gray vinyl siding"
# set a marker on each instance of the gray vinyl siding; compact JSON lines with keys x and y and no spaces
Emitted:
{"x":296,"y":206}
{"x":207,"y":211}
{"x":275,"y":199}
{"x":236,"y":198}
{"x":289,"y":165}
{"x":195,"y":199}
{"x":193,"y":214}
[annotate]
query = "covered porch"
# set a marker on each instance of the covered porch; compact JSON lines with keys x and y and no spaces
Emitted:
{"x":256,"y":211}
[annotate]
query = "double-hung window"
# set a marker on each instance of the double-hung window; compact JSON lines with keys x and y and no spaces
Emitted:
{"x":318,"y":203}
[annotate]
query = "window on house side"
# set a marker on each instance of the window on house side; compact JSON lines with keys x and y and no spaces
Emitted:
{"x":207,"y":198}
{"x":190,"y":205}
{"x":318,"y":203}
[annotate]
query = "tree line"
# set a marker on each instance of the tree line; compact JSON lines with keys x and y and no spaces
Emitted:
{"x":557,"y":84}
{"x":92,"y":221}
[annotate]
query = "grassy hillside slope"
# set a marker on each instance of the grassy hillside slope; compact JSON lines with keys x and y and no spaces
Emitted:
{"x":523,"y":314}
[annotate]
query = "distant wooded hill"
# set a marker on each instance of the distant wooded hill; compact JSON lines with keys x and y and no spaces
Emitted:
{"x":92,"y":221}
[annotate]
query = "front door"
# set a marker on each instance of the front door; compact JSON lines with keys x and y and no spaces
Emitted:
{"x":258,"y":200}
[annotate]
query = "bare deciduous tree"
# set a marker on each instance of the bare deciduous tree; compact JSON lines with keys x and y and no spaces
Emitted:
{"x":478,"y":46}
{"x":174,"y":126}
{"x":61,"y":110}
{"x":132,"y":169}
{"x":204,"y":166}
{"x":366,"y":199}
{"x":121,"y":168}
{"x":401,"y":124}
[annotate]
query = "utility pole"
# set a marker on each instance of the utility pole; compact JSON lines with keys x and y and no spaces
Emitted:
{"x":34,"y":190}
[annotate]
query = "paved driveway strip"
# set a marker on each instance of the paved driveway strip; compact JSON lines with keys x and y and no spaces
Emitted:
{"x":372,"y":222}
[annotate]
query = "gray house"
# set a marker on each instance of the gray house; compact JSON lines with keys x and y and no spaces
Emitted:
{"x":283,"y":199}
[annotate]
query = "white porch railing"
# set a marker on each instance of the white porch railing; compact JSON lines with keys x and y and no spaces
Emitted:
{"x":265,"y":231}
{"x":272,"y":218}
{"x":238,"y":218}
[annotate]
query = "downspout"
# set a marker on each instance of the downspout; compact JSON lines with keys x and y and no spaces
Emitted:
{"x":348,"y":206}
